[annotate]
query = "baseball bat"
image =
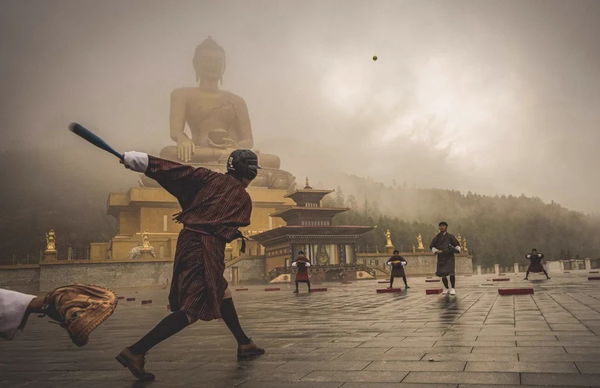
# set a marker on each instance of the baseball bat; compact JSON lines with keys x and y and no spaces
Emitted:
{"x":90,"y":136}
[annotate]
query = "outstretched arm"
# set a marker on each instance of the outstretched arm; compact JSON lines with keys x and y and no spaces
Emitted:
{"x":180,"y":180}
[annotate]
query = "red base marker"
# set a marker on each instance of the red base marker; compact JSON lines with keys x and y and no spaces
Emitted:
{"x":515,"y":291}
{"x":272,"y":289}
{"x":389,"y":290}
{"x":432,"y":280}
{"x":147,"y":301}
{"x":594,"y":278}
{"x":241,"y":289}
{"x":318,"y":289}
{"x":130,"y":299}
{"x":433,"y":291}
{"x":501,"y":280}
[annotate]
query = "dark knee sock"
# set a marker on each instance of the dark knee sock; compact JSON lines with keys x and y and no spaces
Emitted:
{"x":391,"y":281}
{"x":452,"y":280}
{"x":230,"y":317}
{"x":527,"y":274}
{"x":296,"y":286}
{"x":170,"y":325}
{"x":405,"y":282}
{"x":445,"y":281}
{"x":308,"y":283}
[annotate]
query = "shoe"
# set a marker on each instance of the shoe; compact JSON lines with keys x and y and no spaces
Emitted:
{"x":135,"y":363}
{"x":406,"y":286}
{"x":295,"y":291}
{"x":525,"y":279}
{"x":452,"y":291}
{"x":548,"y":278}
{"x":445,"y":292}
{"x":249,"y":351}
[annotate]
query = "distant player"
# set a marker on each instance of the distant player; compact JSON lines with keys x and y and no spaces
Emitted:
{"x":397,"y":263}
{"x":444,"y":245}
{"x":301,"y":263}
{"x":535,"y":264}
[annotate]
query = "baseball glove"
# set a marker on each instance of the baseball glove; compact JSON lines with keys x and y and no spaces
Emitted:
{"x":80,"y":309}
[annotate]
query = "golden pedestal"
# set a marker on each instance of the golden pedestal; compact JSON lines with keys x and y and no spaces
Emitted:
{"x":150,"y":209}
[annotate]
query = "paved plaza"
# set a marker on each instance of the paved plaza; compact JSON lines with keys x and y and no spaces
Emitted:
{"x":346,"y":337}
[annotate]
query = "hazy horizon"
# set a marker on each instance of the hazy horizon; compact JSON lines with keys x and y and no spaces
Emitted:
{"x":494,"y":97}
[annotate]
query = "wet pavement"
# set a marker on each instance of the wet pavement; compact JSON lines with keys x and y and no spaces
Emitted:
{"x":348,"y":336}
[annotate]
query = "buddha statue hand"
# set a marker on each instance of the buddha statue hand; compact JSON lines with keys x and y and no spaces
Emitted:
{"x":185,"y":149}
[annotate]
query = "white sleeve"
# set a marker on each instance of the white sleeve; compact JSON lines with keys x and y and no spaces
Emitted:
{"x":307,"y":264}
{"x":13,"y":306}
{"x":294,"y":264}
{"x":457,"y":248}
{"x":136,"y":161}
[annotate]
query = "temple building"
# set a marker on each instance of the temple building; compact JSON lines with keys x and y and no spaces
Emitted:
{"x":309,"y":228}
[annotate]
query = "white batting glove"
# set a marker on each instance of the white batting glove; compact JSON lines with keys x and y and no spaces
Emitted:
{"x":136,"y":161}
{"x":294,"y":264}
{"x":435,"y":250}
{"x":307,"y":264}
{"x":457,"y":248}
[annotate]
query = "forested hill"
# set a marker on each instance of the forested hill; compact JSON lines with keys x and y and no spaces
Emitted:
{"x":499,"y":229}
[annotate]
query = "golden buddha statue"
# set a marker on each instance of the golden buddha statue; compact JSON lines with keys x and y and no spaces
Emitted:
{"x":50,"y":241}
{"x":218,"y":122}
{"x":388,"y":238}
{"x":420,"y":246}
{"x":146,"y":240}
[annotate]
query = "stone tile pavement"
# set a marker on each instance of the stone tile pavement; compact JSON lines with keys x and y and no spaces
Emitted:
{"x":346,"y":337}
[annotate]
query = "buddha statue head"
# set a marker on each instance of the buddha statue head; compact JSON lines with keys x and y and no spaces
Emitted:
{"x":209,"y":60}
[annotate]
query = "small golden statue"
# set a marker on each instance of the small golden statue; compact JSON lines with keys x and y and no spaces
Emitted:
{"x":388,"y":239}
{"x":465,"y":250}
{"x":50,"y":241}
{"x":146,"y":241}
{"x":460,"y":240}
{"x":143,"y":251}
{"x":420,"y":246}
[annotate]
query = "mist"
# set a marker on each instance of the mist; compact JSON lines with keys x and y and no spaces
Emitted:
{"x":493,"y":97}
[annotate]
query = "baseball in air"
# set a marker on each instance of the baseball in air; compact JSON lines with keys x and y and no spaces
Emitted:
{"x":374,"y":57}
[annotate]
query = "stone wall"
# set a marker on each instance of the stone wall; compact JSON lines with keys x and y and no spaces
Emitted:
{"x":110,"y":274}
{"x":250,"y":270}
{"x":418,"y":264}
{"x":23,"y":278}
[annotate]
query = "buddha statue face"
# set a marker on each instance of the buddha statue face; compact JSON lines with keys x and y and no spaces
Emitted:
{"x":209,"y":60}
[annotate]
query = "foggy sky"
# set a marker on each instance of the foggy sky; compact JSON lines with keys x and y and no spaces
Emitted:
{"x":496,"y":97}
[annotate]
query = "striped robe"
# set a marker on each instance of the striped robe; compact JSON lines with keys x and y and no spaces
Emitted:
{"x":214,"y":206}
{"x":302,"y":269}
{"x":445,"y":259}
{"x":536,"y":262}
